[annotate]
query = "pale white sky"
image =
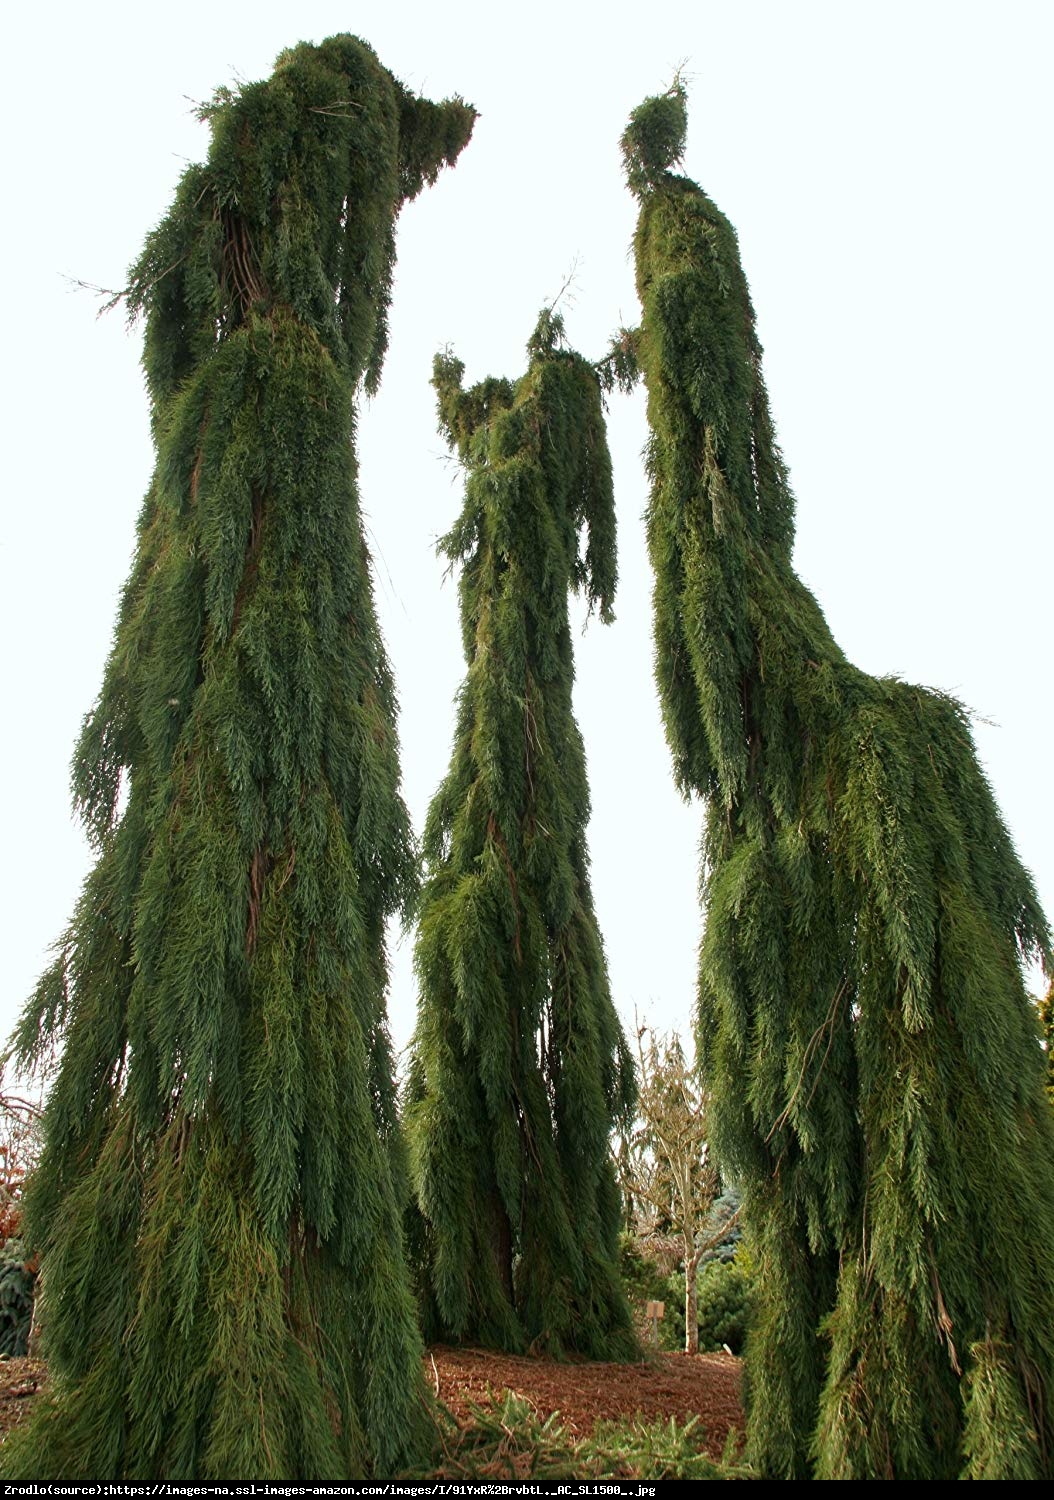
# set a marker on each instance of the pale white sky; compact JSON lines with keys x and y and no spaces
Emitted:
{"x":887,"y":167}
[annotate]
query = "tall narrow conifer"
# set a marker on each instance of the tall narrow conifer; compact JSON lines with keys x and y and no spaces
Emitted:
{"x":519,"y":1063}
{"x":218,"y":1208}
{"x":865,"y":1030}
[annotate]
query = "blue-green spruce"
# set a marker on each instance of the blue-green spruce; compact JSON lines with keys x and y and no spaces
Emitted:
{"x":864,"y":1028}
{"x":520,"y":1067}
{"x":219,"y":1204}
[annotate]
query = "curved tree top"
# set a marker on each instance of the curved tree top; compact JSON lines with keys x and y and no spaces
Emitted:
{"x":497,"y":423}
{"x":295,"y":206}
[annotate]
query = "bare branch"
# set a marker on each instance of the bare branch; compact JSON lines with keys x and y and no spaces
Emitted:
{"x":113,"y":297}
{"x":569,"y":281}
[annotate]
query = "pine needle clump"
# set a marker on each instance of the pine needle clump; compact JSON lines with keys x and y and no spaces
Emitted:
{"x":219,"y":1204}
{"x":520,"y":1067}
{"x":863,"y":1023}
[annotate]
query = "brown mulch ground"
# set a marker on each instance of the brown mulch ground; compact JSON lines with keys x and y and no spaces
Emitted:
{"x":665,"y":1385}
{"x":20,"y":1379}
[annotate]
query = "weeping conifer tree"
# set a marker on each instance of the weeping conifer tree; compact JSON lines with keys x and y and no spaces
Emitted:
{"x":863,"y":1023}
{"x":519,"y":1065}
{"x":218,"y":1207}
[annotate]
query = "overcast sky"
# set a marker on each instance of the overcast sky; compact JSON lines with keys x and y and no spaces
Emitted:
{"x":888,"y":169}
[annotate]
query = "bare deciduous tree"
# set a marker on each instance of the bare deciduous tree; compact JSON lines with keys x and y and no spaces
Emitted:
{"x":665,"y":1168}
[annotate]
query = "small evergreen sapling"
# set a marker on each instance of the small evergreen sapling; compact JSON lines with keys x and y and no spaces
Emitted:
{"x":218,"y":1206}
{"x":863,"y":1022}
{"x":520,"y":1067}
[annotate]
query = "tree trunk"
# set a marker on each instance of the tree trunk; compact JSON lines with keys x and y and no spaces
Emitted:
{"x":501,"y":1242}
{"x":37,"y":1318}
{"x":691,"y":1304}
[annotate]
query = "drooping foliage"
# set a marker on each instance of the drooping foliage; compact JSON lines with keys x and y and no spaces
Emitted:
{"x":219,"y":1204}
{"x":863,"y":1023}
{"x":519,"y":1065}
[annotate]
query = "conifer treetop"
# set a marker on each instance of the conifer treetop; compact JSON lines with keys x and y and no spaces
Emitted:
{"x":654,"y":141}
{"x":295,"y":207}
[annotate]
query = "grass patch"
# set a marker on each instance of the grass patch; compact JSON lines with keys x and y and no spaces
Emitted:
{"x":506,"y":1439}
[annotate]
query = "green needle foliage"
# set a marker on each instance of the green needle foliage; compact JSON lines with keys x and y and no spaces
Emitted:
{"x":520,"y":1067}
{"x":219,"y":1203}
{"x":873,"y":1054}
